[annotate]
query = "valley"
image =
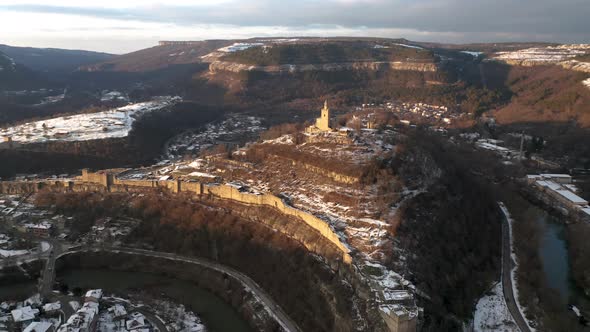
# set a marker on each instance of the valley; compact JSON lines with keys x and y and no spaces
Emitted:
{"x":203,"y":174}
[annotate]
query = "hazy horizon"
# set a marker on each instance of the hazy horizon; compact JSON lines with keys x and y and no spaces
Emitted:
{"x":121,"y":27}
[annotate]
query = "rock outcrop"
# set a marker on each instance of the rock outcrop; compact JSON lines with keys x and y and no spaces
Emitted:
{"x":223,"y":66}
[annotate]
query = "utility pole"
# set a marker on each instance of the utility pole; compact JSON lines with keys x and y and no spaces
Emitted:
{"x":521,"y":146}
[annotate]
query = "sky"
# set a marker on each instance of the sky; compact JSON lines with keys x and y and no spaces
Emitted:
{"x":121,"y":26}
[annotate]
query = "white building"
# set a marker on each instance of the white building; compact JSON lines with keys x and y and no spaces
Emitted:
{"x":52,"y":307}
{"x":93,"y":295}
{"x":118,"y":311}
{"x":136,"y":321}
{"x":559,"y":178}
{"x":24,"y":314}
{"x":84,"y":320}
{"x":39,"y":327}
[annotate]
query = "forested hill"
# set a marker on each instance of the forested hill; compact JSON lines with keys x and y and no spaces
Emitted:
{"x":14,"y":76}
{"x":329,"y":52}
{"x":52,"y":59}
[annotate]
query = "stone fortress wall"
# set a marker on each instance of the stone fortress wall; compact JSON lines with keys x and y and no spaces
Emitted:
{"x":107,"y":181}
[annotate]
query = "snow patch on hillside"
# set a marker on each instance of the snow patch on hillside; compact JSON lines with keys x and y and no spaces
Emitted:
{"x":409,"y":46}
{"x":235,"y":47}
{"x":472,"y":53}
{"x":491,"y":313}
{"x":586,"y":82}
{"x":549,"y":54}
{"x":83,"y":127}
{"x":113,"y":96}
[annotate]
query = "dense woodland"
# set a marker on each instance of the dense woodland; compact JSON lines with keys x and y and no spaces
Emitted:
{"x":579,"y":251}
{"x":33,"y":162}
{"x":16,"y":76}
{"x":452,"y":231}
{"x":541,"y":94}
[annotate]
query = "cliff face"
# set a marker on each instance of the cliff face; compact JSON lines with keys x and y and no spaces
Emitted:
{"x":569,"y":64}
{"x":223,"y":66}
{"x":576,"y":65}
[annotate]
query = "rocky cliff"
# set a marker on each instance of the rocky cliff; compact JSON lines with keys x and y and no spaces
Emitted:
{"x":224,"y":66}
{"x":569,"y":64}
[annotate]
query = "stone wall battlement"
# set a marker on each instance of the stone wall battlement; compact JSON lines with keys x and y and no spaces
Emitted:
{"x":106,"y":181}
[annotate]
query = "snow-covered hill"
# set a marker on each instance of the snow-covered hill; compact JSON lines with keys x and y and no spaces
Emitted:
{"x":83,"y":127}
{"x":563,"y":55}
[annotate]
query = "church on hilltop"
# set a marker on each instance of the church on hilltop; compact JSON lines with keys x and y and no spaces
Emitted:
{"x":322,"y":124}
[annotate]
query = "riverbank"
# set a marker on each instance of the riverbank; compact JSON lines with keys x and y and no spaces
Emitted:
{"x":541,"y":276}
{"x":242,"y":309}
{"x":216,"y":314}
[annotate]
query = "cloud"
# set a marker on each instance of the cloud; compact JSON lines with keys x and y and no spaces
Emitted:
{"x":440,"y":20}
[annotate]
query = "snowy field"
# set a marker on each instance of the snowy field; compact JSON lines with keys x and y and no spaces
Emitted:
{"x":549,"y":54}
{"x":83,"y":127}
{"x":563,"y":55}
{"x":235,"y":47}
{"x":491,"y":313}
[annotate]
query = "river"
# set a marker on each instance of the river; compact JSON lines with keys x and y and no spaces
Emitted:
{"x":217,"y":315}
{"x":17,"y":291}
{"x":553,"y":251}
{"x":554,"y":255}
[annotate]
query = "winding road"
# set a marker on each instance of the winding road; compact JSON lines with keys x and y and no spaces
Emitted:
{"x":57,"y":249}
{"x":507,"y":266}
{"x":273,"y":308}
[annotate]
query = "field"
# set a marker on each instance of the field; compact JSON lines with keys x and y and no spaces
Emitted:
{"x":83,"y":127}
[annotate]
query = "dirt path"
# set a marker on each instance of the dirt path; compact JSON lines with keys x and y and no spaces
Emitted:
{"x":507,"y":265}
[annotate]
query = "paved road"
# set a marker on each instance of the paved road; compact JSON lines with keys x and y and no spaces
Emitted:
{"x":281,"y":317}
{"x":48,"y":276}
{"x":56,"y":250}
{"x":507,"y":265}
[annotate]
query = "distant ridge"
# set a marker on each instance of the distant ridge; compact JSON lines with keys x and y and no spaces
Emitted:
{"x":178,"y":42}
{"x":52,"y":59}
